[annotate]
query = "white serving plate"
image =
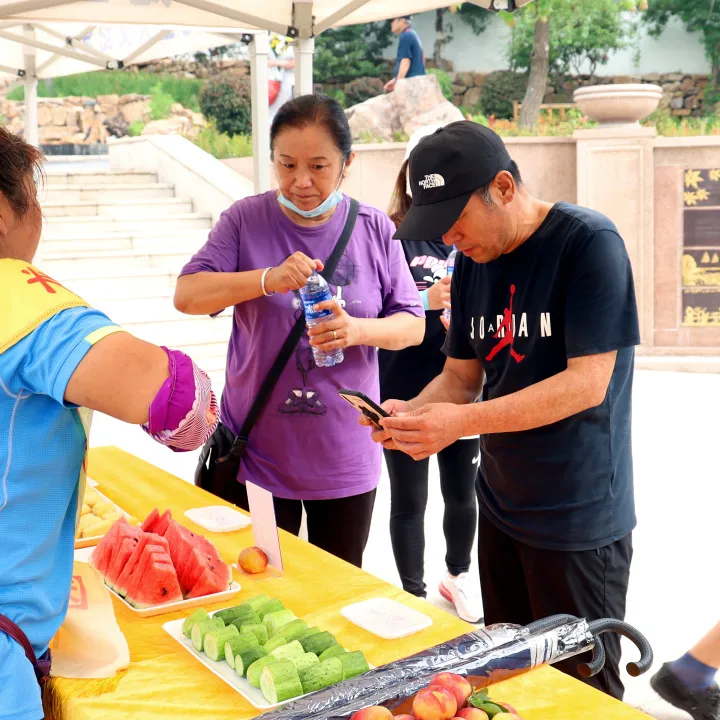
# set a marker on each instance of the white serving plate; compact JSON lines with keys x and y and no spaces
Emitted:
{"x":218,"y":518}
{"x":386,"y":618}
{"x":92,"y":541}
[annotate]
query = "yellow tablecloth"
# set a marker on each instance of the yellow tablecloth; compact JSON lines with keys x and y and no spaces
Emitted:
{"x":164,"y":681}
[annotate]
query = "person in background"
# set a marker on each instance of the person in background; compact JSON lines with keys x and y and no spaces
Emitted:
{"x":410,"y":61}
{"x":306,"y":448}
{"x":689,"y":682}
{"x":60,"y":359}
{"x":403,"y":375}
{"x":544,"y":324}
{"x":284,"y":65}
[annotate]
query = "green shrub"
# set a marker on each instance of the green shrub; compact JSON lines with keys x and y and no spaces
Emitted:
{"x":445,"y":82}
{"x":226,"y":99}
{"x":135,"y":129}
{"x":362,"y":89}
{"x":339,"y":95}
{"x":499,"y":91}
{"x":222,"y":146}
{"x":160,"y":103}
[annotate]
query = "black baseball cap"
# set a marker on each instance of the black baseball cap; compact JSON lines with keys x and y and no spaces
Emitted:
{"x":446,"y":168}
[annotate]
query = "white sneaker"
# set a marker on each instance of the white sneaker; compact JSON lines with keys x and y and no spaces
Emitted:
{"x":460,"y":592}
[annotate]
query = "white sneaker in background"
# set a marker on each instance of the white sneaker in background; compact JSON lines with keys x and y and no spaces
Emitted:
{"x":461,"y":592}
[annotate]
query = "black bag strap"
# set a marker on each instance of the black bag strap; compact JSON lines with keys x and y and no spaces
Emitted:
{"x":271,"y":379}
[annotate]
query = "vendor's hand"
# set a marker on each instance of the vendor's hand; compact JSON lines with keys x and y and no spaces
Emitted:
{"x":292,"y":274}
{"x":389,"y":85}
{"x":337,"y":332}
{"x":425,"y":432}
{"x":439,"y":294}
{"x":382,"y":436}
{"x":445,"y":322}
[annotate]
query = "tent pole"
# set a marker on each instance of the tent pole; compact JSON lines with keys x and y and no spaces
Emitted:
{"x":336,"y":17}
{"x":259,"y":50}
{"x":74,"y":55}
{"x":31,"y":88}
{"x":303,"y":21}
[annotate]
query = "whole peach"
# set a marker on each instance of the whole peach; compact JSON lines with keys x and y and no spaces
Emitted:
{"x":472,"y":714}
{"x":375,"y":712}
{"x":434,"y":703}
{"x":405,"y":717}
{"x":456,"y":684}
{"x":253,"y":560}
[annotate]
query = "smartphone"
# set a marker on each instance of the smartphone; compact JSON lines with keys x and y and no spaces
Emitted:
{"x":372,"y":411}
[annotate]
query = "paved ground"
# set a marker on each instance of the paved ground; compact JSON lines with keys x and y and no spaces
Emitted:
{"x":675,"y":582}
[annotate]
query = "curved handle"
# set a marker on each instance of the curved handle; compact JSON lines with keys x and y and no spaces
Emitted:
{"x":549,"y":623}
{"x":599,"y":627}
{"x":597,"y":662}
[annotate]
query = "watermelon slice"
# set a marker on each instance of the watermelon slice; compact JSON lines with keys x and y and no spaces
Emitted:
{"x":150,"y":520}
{"x":194,"y":568}
{"x":157,"y":541}
{"x":102,"y":554}
{"x":162,"y":524}
{"x":158,"y":585}
{"x":208,"y":583}
{"x":122,"y":551}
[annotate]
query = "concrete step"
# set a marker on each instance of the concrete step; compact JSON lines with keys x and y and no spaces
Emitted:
{"x":102,"y":193}
{"x":60,"y":264}
{"x":183,"y":333}
{"x":108,"y":284}
{"x":116,"y":209}
{"x":89,"y":227}
{"x":56,"y":178}
{"x":679,"y":363}
{"x":187,"y":241}
{"x":152,"y":309}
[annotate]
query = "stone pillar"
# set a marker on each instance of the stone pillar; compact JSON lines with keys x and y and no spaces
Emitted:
{"x":615,"y":176}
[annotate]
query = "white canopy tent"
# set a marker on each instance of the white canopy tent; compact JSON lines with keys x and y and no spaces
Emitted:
{"x":299,"y":19}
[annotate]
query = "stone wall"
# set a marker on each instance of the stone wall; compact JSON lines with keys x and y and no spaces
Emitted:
{"x":193,"y":69}
{"x":683,"y":94}
{"x":86,"y":121}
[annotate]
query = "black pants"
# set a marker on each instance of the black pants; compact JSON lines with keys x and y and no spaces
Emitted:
{"x":340,"y":527}
{"x":521,"y":584}
{"x":409,"y":495}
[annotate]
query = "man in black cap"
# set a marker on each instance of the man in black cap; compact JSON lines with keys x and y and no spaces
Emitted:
{"x":544,"y":323}
{"x":410,"y":61}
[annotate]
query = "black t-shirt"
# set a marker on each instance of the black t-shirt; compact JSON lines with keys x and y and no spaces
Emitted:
{"x":568,"y":292}
{"x":405,"y":373}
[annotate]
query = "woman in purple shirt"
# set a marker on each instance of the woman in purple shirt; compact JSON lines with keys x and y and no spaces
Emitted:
{"x":307,"y":447}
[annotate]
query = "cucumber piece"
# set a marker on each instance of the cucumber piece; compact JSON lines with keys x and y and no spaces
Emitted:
{"x":291,"y":631}
{"x":289,"y":651}
{"x":273,"y":606}
{"x":280,"y":681}
{"x":308,"y":633}
{"x":202,"y":628}
{"x":198,"y":615}
{"x":255,"y":670}
{"x":318,"y":643}
{"x":305,"y":661}
{"x":255,"y":603}
{"x":257,"y":629}
{"x":275,"y":643}
{"x":251,"y":618}
{"x":237,"y":645}
{"x":353,"y":664}
{"x":231,"y":614}
{"x":318,"y":677}
{"x":332,"y":651}
{"x":214,"y":642}
{"x":246,"y":659}
{"x":275,"y":620}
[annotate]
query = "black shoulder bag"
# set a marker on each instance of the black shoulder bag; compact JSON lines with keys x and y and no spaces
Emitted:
{"x":219,"y":461}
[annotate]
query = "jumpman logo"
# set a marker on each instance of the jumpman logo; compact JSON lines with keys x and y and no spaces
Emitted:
{"x":509,"y":336}
{"x":38,"y":277}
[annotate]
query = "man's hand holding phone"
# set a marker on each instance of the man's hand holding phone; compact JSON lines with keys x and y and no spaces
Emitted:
{"x":393,"y":408}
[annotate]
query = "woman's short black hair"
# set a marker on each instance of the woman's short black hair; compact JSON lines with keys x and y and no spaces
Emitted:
{"x":314,"y":110}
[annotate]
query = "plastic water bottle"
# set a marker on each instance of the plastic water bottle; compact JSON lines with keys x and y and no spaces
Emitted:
{"x":450,"y":270}
{"x":316,"y":290}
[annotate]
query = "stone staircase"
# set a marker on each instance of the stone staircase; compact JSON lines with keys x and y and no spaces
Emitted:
{"x":119,"y":239}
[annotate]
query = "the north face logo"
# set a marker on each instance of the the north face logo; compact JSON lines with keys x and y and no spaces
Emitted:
{"x":432,"y":181}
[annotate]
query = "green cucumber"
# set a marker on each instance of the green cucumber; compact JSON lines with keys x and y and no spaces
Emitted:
{"x":255,"y":670}
{"x":275,"y":642}
{"x":255,"y":603}
{"x":280,"y":681}
{"x":318,"y":677}
{"x":275,"y":620}
{"x":273,"y":606}
{"x":332,"y":651}
{"x":289,"y":651}
{"x":246,"y":659}
{"x":308,"y":633}
{"x":353,"y":664}
{"x":250,"y":618}
{"x":305,"y":661}
{"x":257,"y":629}
{"x":214,"y":642}
{"x":197,"y":616}
{"x":293,"y":629}
{"x":318,"y":643}
{"x":231,"y":614}
{"x":238,"y":645}
{"x":201,"y":628}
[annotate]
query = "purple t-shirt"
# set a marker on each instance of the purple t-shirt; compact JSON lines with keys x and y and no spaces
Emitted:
{"x":308,"y":443}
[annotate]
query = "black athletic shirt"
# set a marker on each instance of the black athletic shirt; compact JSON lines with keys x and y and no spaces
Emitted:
{"x":567,"y":292}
